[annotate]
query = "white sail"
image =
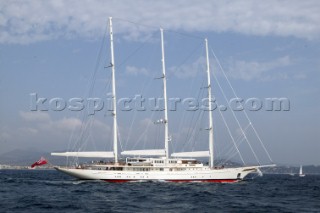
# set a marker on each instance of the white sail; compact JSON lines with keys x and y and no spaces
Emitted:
{"x":145,"y":152}
{"x":85,"y":154}
{"x":191,"y":154}
{"x":300,"y":172}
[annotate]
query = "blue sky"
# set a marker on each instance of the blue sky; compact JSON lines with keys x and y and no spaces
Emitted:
{"x":267,"y":49}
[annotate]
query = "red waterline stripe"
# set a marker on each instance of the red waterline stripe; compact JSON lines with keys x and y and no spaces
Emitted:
{"x":177,"y":181}
{"x":117,"y":181}
{"x":208,"y":180}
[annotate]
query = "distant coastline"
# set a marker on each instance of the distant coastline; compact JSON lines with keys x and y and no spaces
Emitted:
{"x":16,"y":167}
{"x":289,"y":170}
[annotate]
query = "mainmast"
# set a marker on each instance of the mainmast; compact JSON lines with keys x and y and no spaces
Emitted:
{"x":210,"y":108}
{"x":114,"y":99}
{"x":166,"y":130}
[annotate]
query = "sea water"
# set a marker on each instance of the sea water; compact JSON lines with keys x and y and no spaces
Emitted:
{"x":51,"y":191}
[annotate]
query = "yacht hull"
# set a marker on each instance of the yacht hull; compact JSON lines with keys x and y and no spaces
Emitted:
{"x":226,"y":175}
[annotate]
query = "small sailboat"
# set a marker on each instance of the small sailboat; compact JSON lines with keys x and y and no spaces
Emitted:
{"x":179,"y":167}
{"x":291,"y":173}
{"x":301,"y":173}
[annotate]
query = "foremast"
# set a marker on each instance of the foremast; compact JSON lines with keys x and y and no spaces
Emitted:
{"x":114,"y":99}
{"x":211,"y":150}
{"x":166,"y":126}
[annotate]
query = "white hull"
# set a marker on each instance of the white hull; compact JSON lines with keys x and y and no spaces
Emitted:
{"x":204,"y":175}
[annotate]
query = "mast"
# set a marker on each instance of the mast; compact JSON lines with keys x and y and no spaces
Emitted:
{"x":166,"y":130}
{"x":114,"y":99}
{"x":210,"y":108}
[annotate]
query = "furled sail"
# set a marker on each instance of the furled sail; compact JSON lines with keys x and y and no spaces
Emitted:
{"x":146,"y":152}
{"x":85,"y":154}
{"x":191,"y":154}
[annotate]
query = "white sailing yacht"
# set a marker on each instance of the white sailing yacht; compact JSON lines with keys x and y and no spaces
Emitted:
{"x":156,"y":164}
{"x":301,"y":173}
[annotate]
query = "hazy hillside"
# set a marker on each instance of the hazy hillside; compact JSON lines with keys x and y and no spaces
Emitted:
{"x":27,"y":157}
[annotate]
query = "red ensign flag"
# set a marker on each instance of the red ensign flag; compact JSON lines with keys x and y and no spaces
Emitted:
{"x":40,"y":162}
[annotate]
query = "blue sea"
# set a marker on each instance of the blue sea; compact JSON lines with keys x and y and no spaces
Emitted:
{"x":50,"y":191}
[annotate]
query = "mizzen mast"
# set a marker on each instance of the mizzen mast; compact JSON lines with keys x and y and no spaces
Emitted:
{"x":166,"y":130}
{"x":114,"y":99}
{"x":211,"y":150}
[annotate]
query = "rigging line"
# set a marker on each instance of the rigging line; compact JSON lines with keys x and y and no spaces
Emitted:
{"x":172,"y":144}
{"x":92,"y":135}
{"x":245,"y":130}
{"x":197,"y":133}
{"x":105,"y":92}
{"x":225,"y":97}
{"x":97,"y":65}
{"x":239,"y":138}
{"x":229,"y":131}
{"x":130,"y":129}
{"x":237,"y":142}
{"x":187,"y":139}
{"x":229,"y":153}
{"x":244,"y":110}
{"x":184,"y":111}
{"x":145,"y":131}
{"x":135,"y":23}
{"x":72,"y":136}
{"x":119,"y":137}
{"x":148,"y":126}
{"x":145,"y":86}
{"x":130,"y":55}
{"x":230,"y":150}
{"x":216,"y":148}
{"x":93,"y":78}
{"x":261,"y":142}
{"x":83,"y":129}
{"x":85,"y":138}
{"x":185,"y":34}
{"x":157,"y":28}
{"x":192,"y":117}
{"x":90,"y":87}
{"x":244,"y":135}
{"x":197,"y":127}
{"x":188,"y":56}
{"x":157,"y":139}
{"x":87,"y":131}
{"x":108,"y":83}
